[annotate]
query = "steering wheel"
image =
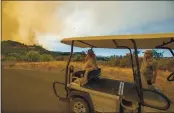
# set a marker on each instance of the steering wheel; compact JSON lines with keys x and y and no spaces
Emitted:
{"x":171,"y":77}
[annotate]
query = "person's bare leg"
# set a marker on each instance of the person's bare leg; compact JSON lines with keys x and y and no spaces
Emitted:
{"x":77,"y":81}
{"x":84,"y":80}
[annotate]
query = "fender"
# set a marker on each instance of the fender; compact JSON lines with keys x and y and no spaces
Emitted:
{"x":83,"y":95}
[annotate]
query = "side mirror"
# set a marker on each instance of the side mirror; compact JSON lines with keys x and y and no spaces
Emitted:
{"x":155,"y":99}
{"x":171,"y":77}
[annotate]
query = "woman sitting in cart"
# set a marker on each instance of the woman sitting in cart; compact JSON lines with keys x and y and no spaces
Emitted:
{"x":90,"y":64}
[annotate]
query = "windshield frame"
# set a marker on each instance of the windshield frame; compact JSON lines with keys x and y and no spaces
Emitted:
{"x":162,"y":46}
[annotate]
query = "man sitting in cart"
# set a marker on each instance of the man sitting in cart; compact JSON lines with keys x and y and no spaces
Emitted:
{"x":148,"y":69}
{"x":90,"y":64}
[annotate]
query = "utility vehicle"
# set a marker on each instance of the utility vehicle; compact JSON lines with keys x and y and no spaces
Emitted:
{"x":106,"y":95}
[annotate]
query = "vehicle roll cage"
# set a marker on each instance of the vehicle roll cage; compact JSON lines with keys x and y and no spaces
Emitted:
{"x":162,"y":46}
{"x":136,"y":74}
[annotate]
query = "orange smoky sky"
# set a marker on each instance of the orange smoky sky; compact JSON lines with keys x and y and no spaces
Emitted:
{"x":22,"y":20}
{"x":46,"y":22}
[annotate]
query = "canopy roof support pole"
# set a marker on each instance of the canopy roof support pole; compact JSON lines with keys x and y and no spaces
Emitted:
{"x":161,"y":47}
{"x":130,"y":54}
{"x":168,"y":49}
{"x":166,"y":43}
{"x":67,"y":66}
{"x":140,"y":92}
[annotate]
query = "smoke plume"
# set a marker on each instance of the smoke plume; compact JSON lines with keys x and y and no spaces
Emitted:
{"x":46,"y":22}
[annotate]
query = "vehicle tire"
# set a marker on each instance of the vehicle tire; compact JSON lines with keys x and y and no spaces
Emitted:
{"x":79,"y":105}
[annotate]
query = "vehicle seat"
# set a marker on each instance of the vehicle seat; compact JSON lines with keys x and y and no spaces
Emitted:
{"x":94,"y":74}
{"x":78,"y":74}
{"x":91,"y":75}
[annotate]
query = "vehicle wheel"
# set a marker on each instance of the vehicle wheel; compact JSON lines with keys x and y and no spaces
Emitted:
{"x":78,"y":105}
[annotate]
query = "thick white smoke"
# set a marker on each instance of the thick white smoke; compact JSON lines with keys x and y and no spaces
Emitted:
{"x":52,"y":21}
{"x":105,"y":17}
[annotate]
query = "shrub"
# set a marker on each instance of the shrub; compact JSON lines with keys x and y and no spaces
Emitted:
{"x":15,"y":56}
{"x":46,"y":57}
{"x":170,"y":66}
{"x":66,"y":58}
{"x":114,"y":62}
{"x":162,"y":64}
{"x":77,"y":58}
{"x":24,"y":58}
{"x":123,"y":62}
{"x":33,"y":56}
{"x":60,"y":58}
{"x":10,"y":58}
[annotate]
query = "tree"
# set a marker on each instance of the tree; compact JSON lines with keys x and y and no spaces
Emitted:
{"x":114,"y":60}
{"x":15,"y":56}
{"x":46,"y":57}
{"x":138,"y":52}
{"x":24,"y":58}
{"x":33,"y":56}
{"x":60,"y":58}
{"x":157,"y":54}
{"x":77,"y":58}
{"x":83,"y":55}
{"x":10,"y":58}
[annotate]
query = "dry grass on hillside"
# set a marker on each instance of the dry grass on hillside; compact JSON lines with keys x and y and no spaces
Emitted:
{"x":124,"y":74}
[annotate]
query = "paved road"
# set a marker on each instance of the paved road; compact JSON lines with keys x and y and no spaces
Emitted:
{"x":30,"y":91}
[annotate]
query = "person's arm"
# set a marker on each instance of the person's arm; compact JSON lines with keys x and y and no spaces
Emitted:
{"x":86,"y":59}
{"x":85,"y":78}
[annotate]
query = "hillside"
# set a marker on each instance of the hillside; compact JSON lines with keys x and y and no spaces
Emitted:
{"x":17,"y":47}
{"x":12,"y":50}
{"x":9,"y":46}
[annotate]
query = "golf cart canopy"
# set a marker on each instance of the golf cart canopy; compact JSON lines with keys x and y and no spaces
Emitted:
{"x":143,"y":41}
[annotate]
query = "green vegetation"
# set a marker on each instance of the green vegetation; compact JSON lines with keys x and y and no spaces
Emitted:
{"x":33,"y":56}
{"x":157,"y":54}
{"x":45,"y":57}
{"x":15,"y":51}
{"x":11,"y":58}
